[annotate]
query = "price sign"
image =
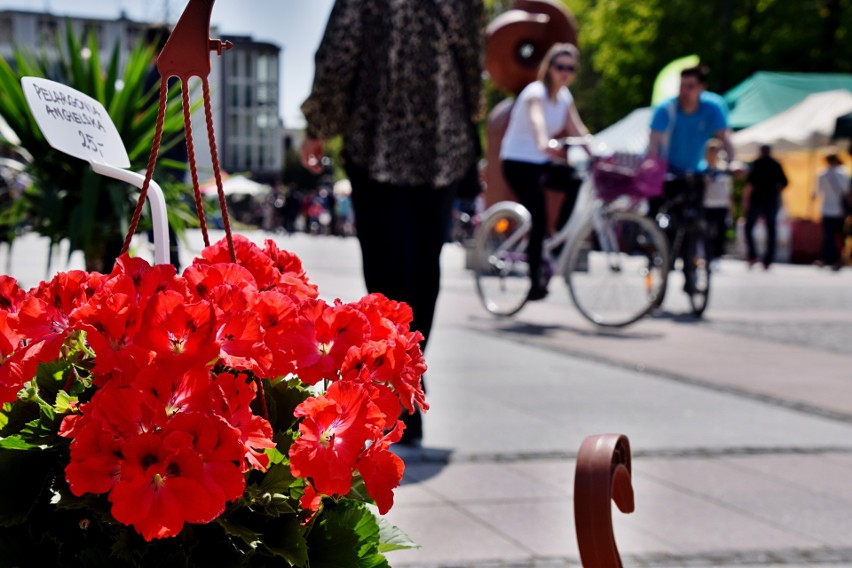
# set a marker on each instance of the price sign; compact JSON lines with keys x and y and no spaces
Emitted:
{"x":75,"y":123}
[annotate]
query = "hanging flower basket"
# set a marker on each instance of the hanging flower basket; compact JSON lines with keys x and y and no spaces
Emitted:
{"x":226,"y":416}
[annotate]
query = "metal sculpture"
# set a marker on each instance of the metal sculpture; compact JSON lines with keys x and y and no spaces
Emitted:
{"x":517,"y":41}
{"x":519,"y":38}
{"x":602,"y":475}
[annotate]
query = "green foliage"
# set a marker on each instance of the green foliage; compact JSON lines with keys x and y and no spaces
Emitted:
{"x":67,"y":199}
{"x":624,"y":44}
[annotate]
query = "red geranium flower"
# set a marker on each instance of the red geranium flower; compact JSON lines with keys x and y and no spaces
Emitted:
{"x":334,"y":430}
{"x":160,"y":487}
{"x":278,"y":313}
{"x":232,"y":396}
{"x":292,"y":279}
{"x":221,"y":452}
{"x":382,"y":470}
{"x":228,"y":287}
{"x":177,"y":331}
{"x":385,"y":316}
{"x":12,"y":373}
{"x":242,"y":346}
{"x":95,"y":461}
{"x":147,"y":279}
{"x":321,"y":338}
{"x":11,"y":294}
{"x":249,"y":255}
{"x":111,"y":320}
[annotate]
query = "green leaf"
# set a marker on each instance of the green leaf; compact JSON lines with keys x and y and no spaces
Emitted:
{"x":39,"y":432}
{"x":64,"y":402}
{"x":282,"y":398}
{"x":392,"y":537}
{"x":346,"y":536}
{"x":248,"y":536}
{"x":16,"y":442}
{"x":277,"y":479}
{"x":284,"y":538}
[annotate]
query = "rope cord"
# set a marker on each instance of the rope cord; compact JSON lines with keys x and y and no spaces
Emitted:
{"x":208,"y":115}
{"x":152,"y":162}
{"x":193,"y":168}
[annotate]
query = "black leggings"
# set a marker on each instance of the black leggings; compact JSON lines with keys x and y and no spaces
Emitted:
{"x":525,"y":180}
{"x":401,"y":231}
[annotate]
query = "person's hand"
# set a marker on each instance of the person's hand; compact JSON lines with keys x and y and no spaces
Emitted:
{"x":556,"y":151}
{"x":312,"y":154}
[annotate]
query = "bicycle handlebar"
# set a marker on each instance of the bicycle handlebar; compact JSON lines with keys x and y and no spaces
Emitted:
{"x":568,"y":141}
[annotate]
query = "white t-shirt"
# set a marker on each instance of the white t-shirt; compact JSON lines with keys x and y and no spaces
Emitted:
{"x":520,"y":142}
{"x":833,"y":184}
{"x":717,"y":191}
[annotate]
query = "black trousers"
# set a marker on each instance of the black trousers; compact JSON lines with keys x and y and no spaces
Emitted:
{"x":401,"y":231}
{"x":769,"y":211}
{"x":717,"y":229}
{"x":525,"y":180}
{"x":832,"y":233}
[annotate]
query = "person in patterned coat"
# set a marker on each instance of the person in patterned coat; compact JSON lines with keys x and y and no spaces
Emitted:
{"x":397,"y":79}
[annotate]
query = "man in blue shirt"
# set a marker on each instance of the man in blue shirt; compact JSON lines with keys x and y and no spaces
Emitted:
{"x":681,"y":126}
{"x":680,"y":129}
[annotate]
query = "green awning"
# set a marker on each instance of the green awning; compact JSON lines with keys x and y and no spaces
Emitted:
{"x":766,"y":94}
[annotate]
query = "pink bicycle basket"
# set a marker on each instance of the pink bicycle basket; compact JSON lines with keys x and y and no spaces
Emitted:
{"x":629,"y":174}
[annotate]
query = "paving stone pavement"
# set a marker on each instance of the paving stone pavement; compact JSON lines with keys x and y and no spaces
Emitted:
{"x":740,"y":424}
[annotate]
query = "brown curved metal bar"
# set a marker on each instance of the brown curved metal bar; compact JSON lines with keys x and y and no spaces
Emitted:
{"x":187,"y":54}
{"x":602,"y":475}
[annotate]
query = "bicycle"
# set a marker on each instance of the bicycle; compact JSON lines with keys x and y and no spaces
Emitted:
{"x":613,"y":258}
{"x":681,"y":218}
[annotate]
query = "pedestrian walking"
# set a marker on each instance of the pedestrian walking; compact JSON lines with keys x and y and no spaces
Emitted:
{"x":761,"y":199}
{"x":833,"y":186}
{"x":400,"y":82}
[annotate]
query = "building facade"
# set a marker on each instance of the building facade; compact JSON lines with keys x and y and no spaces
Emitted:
{"x":244,"y":85}
{"x":251,"y":129}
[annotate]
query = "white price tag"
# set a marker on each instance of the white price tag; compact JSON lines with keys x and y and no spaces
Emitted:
{"x":75,"y":123}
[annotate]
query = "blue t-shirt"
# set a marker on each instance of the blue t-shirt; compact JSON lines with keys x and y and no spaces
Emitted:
{"x":691,"y":131}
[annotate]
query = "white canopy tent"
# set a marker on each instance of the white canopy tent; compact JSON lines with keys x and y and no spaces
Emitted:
{"x":237,"y":185}
{"x":807,"y":125}
{"x":629,"y":135}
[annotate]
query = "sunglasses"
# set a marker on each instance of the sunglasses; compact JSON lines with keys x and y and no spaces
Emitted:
{"x":569,"y":68}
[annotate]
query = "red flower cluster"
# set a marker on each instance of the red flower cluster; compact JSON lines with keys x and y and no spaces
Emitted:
{"x":170,"y":432}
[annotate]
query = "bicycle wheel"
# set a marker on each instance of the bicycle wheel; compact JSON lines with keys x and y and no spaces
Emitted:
{"x":500,"y":259}
{"x":697,"y":272}
{"x":617,"y":268}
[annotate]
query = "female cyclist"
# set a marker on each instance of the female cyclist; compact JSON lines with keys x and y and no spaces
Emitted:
{"x":543,"y":110}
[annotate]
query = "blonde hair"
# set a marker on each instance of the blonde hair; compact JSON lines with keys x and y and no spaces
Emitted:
{"x":556,"y":50}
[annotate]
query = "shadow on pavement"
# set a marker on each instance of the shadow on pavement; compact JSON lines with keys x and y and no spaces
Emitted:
{"x":683,"y":317}
{"x":421,"y":463}
{"x":538,"y":330}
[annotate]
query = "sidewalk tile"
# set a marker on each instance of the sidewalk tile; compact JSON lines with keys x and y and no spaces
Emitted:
{"x":448,"y":534}
{"x":771,"y":507}
{"x":694,"y":522}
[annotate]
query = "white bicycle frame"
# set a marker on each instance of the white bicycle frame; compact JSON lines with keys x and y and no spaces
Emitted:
{"x":587,"y":206}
